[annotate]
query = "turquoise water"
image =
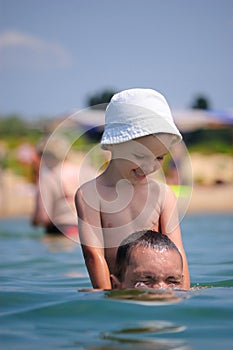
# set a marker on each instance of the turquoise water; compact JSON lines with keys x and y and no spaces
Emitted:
{"x":42,"y":309}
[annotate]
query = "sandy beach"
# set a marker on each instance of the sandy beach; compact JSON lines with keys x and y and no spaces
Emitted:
{"x":18,"y":198}
{"x":212,"y":190}
{"x":215,"y":198}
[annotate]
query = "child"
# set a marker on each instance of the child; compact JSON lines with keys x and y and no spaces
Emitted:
{"x":148,"y":259}
{"x":139,"y":130}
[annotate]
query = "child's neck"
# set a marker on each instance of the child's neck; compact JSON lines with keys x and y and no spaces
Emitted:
{"x":113,"y":177}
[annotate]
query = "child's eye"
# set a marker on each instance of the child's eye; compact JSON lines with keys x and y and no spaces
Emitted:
{"x":160,"y":158}
{"x":138,"y":156}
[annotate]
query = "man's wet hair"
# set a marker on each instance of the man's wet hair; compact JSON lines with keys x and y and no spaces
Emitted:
{"x":143,"y":239}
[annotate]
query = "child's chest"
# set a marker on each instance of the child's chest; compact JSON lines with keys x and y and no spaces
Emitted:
{"x":129,"y":210}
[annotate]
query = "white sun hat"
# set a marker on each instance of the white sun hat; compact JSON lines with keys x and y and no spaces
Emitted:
{"x":135,"y":113}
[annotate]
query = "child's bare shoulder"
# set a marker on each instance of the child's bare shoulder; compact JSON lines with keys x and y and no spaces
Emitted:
{"x":157,"y":185}
{"x":87,"y":185}
{"x":161,"y":191}
{"x":86,"y":192}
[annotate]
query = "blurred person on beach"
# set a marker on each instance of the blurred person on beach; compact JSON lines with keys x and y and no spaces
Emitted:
{"x":175,"y":166}
{"x":27,"y":156}
{"x":148,"y":259}
{"x":3,"y":163}
{"x":57,"y":182}
{"x":139,"y":130}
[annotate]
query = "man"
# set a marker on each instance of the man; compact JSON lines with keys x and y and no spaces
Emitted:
{"x":148,"y":259}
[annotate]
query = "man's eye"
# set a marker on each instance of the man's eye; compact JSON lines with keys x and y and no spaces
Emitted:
{"x":160,"y":158}
{"x":140,"y":285}
{"x":173,"y":281}
{"x":145,"y":283}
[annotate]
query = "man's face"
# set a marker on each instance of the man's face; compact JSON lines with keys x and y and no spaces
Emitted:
{"x":153,"y":269}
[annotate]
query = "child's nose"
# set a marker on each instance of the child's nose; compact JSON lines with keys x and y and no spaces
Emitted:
{"x":151,"y":166}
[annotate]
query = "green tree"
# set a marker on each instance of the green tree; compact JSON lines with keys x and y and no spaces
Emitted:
{"x":13,"y":125}
{"x":201,"y":102}
{"x":100,"y":99}
{"x":206,"y":139}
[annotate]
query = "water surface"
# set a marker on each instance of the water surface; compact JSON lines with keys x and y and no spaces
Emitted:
{"x":42,"y":308}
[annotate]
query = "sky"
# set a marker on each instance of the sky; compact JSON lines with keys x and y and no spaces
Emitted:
{"x":54,"y":54}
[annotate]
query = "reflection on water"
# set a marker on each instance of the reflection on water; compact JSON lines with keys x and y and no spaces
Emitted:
{"x":145,"y":334}
{"x":149,"y":344}
{"x":150,"y":327}
{"x":148,"y":296}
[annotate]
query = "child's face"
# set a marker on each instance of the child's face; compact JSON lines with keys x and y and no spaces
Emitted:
{"x":153,"y":269}
{"x":141,"y":157}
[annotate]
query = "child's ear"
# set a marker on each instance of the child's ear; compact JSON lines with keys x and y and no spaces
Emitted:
{"x":116,"y":284}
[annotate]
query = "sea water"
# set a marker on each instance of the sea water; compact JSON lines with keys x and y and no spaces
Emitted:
{"x":42,"y":306}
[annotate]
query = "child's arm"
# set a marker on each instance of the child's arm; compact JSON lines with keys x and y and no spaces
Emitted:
{"x":169,"y":222}
{"x":91,"y":237}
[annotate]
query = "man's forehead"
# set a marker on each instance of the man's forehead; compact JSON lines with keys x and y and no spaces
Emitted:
{"x":140,"y":254}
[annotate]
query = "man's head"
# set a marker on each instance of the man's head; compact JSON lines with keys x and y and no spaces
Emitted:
{"x":148,"y":259}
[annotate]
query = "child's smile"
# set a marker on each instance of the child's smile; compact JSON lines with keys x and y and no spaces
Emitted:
{"x":141,"y":157}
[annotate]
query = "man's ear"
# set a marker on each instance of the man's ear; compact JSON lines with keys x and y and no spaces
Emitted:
{"x":116,"y":284}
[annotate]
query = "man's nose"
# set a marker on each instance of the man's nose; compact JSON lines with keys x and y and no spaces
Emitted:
{"x":160,"y":285}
